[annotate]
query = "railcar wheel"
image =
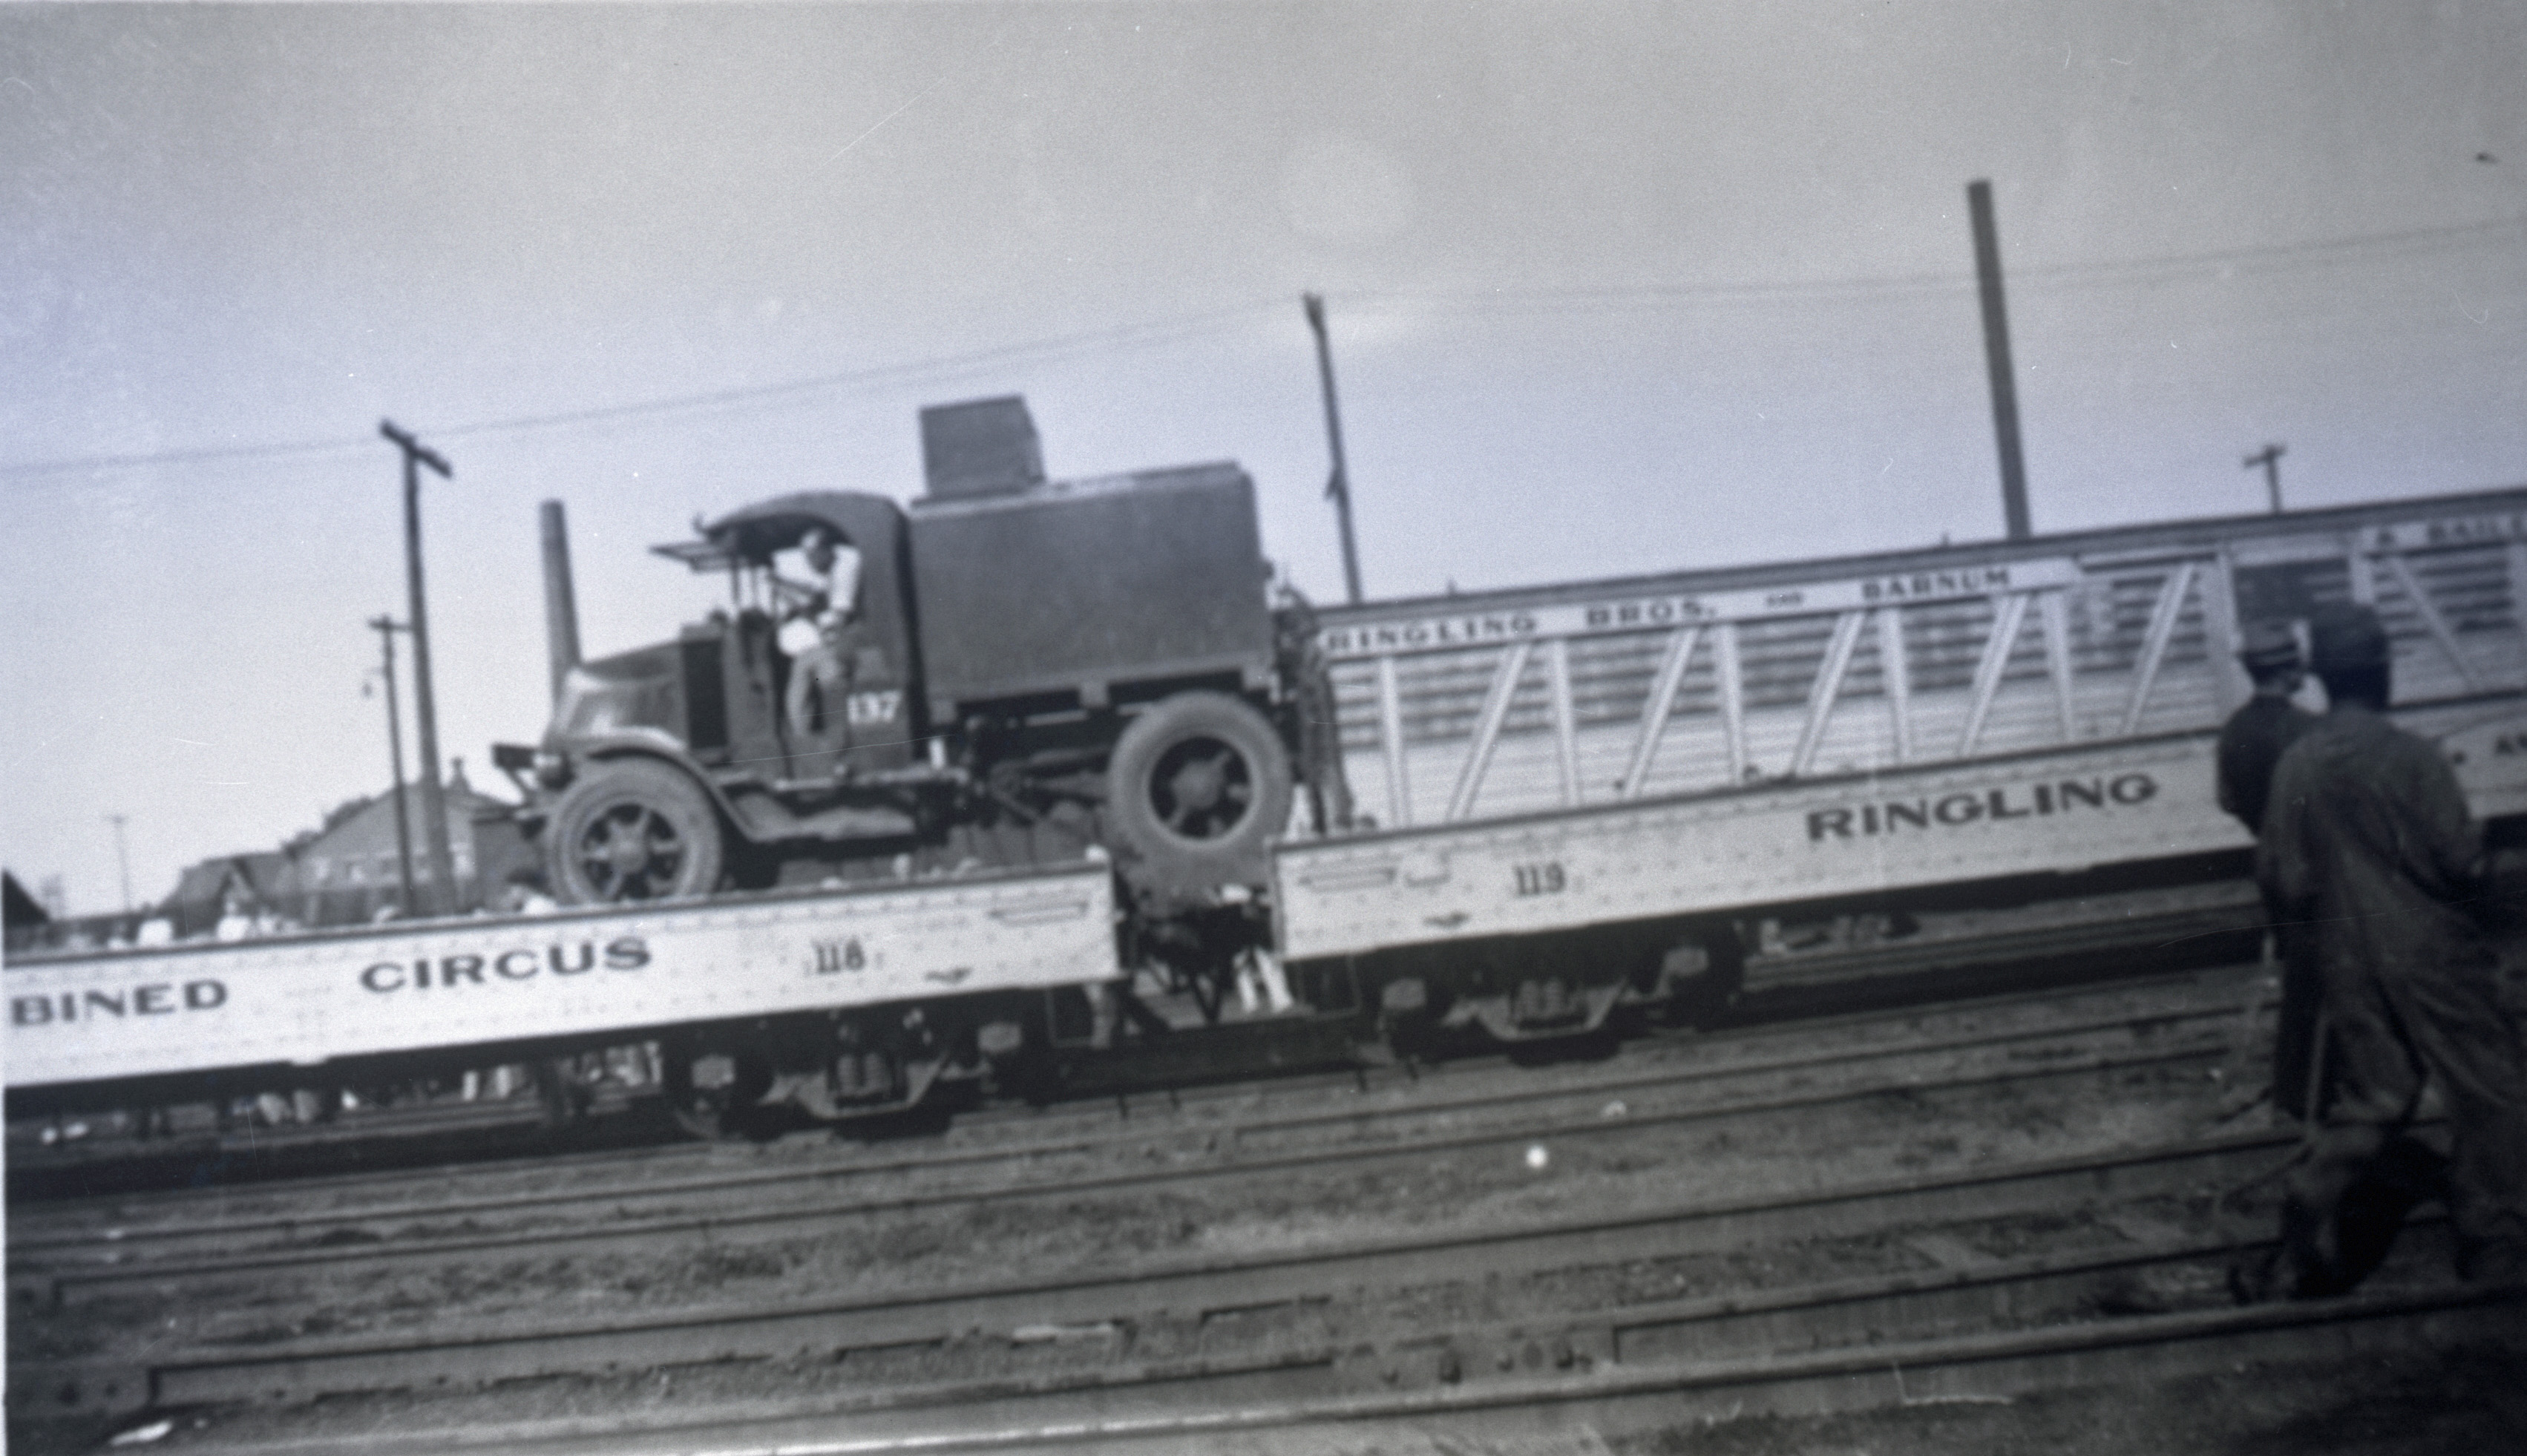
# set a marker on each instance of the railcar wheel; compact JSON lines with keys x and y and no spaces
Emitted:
{"x":1699,"y":980}
{"x":633,"y":829}
{"x":562,"y":1097}
{"x":1197,"y":787}
{"x":710,"y":1096}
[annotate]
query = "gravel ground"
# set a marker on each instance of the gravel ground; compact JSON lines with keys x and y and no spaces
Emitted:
{"x":1604,"y":1174}
{"x":2469,"y":1403}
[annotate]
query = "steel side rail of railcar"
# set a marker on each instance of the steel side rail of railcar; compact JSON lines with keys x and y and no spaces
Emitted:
{"x":1714,"y":743}
{"x":230,"y":1013}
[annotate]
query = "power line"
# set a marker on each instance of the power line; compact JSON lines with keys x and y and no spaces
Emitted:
{"x":1165,"y":331}
{"x":2272,"y":257}
{"x":103,"y":463}
{"x":1124,"y":336}
{"x":2061,"y":275}
{"x":1544,"y":301}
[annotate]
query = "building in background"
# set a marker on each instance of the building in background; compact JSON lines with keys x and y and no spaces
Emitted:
{"x":24,"y":916}
{"x":228,"y":887}
{"x":36,"y":923}
{"x":348,"y":871}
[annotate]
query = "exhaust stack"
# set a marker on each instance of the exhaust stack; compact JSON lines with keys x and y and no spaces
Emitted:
{"x":561,"y":607}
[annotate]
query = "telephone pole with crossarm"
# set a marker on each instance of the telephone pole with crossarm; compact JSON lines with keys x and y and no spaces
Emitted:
{"x":441,"y":898}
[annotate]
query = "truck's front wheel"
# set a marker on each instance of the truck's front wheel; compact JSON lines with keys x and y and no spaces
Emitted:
{"x":1198,"y":786}
{"x":633,"y":829}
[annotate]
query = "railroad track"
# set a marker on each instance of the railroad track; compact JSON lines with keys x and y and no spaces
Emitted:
{"x":50,"y":1265}
{"x":1207,"y":1288}
{"x":300,"y":1369}
{"x":1581,"y":1410}
{"x":1377,"y":1355}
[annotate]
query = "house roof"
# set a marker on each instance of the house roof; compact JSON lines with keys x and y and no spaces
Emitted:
{"x":209,"y":881}
{"x":18,"y":908}
{"x":263,"y":873}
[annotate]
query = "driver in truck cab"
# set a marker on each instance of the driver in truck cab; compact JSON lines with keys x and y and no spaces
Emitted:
{"x":819,"y":608}
{"x":827,"y":587}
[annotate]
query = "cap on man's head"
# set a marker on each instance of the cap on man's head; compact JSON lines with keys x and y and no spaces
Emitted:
{"x":2269,"y":646}
{"x":2346,"y":635}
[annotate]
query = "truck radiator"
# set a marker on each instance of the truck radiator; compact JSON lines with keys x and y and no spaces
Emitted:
{"x":705,"y":696}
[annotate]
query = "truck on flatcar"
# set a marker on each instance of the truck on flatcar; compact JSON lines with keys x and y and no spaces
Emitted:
{"x":1069,"y":682}
{"x":1024,"y":668}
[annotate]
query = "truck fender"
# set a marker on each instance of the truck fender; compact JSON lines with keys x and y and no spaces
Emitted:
{"x":616,"y":748}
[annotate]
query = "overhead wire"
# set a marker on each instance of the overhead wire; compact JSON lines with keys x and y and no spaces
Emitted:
{"x":2259,"y":258}
{"x":912,"y":371}
{"x":1165,"y":331}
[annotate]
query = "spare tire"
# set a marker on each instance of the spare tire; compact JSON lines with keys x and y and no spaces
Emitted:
{"x":1198,"y":786}
{"x":633,"y":829}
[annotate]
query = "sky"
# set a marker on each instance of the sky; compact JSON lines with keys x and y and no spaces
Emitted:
{"x":1612,"y":290}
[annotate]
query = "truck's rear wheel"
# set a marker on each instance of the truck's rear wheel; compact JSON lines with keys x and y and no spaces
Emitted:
{"x":633,"y":829}
{"x":1197,"y":787}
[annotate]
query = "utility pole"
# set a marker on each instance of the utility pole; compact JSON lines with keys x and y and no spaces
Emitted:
{"x":433,"y":798}
{"x":388,"y":627}
{"x":1338,"y":488}
{"x":123,"y":856}
{"x":1995,"y":350}
{"x":2271,"y":460}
